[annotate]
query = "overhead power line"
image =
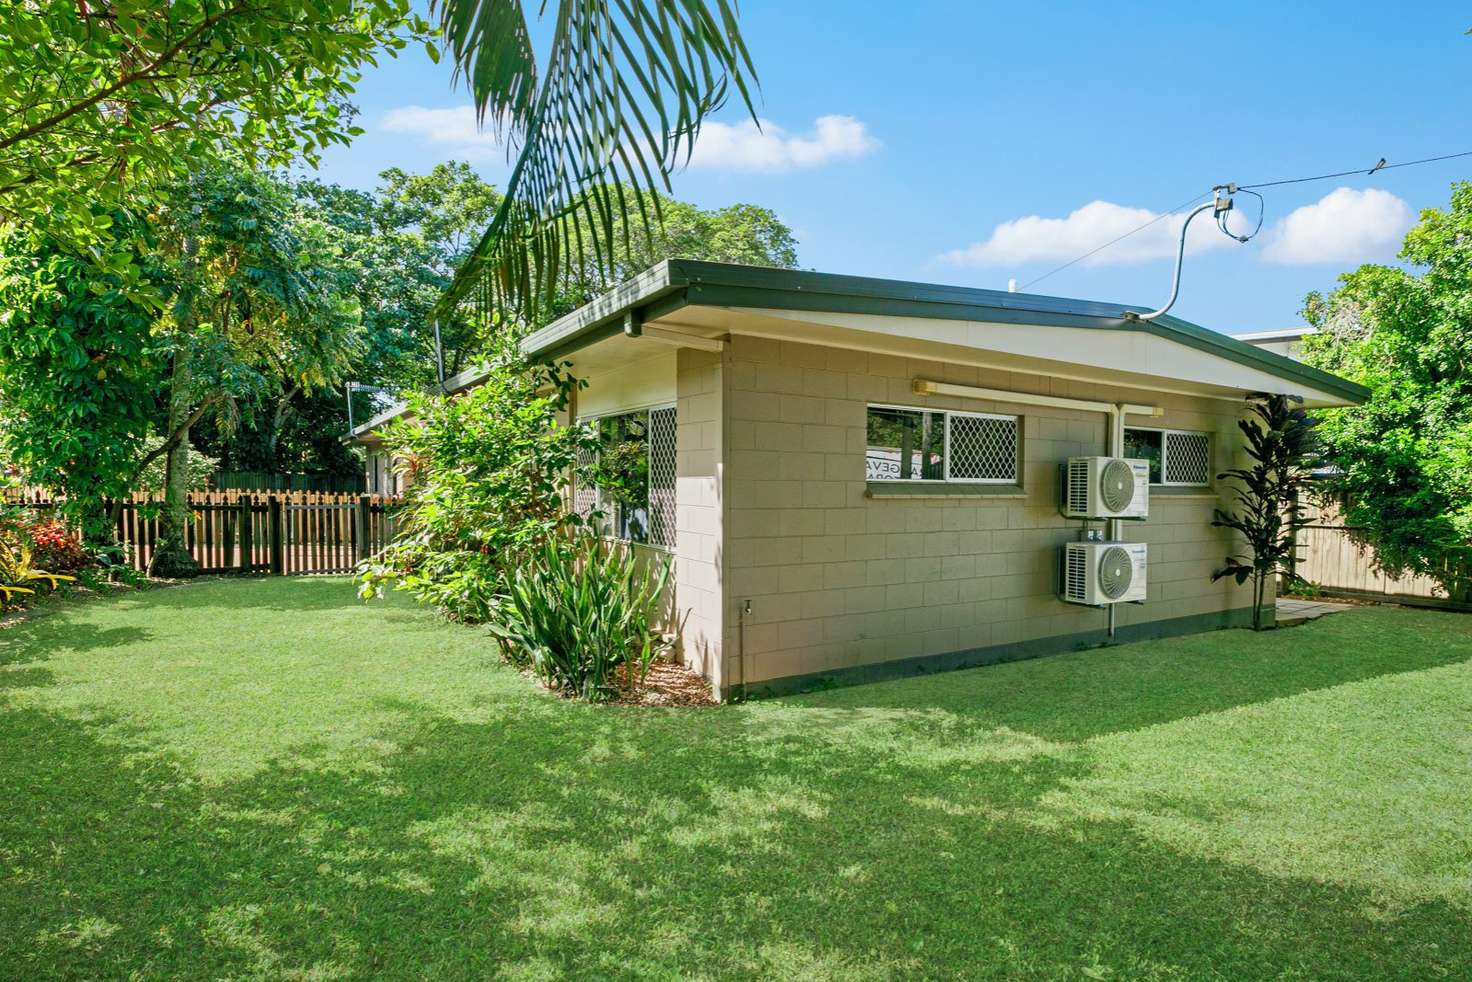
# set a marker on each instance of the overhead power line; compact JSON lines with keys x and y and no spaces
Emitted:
{"x":1139,"y":228}
{"x":1358,"y":171}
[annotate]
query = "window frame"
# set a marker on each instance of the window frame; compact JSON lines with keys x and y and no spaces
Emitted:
{"x":1014,"y":481}
{"x":1164,"y":432}
{"x":616,"y":521}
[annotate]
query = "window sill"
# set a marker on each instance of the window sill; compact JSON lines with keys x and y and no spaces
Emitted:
{"x":939,"y":489}
{"x":647,"y":546}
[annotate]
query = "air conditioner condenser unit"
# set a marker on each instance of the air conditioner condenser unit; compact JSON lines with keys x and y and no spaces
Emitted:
{"x":1106,"y":487}
{"x":1103,"y":573}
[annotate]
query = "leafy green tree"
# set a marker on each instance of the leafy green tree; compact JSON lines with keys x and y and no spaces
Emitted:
{"x":740,"y":233}
{"x":408,"y":237}
{"x":261,"y":312}
{"x":1405,"y":457}
{"x":79,"y":369}
{"x":1283,"y":444}
{"x":114,"y":101}
{"x":487,"y":491}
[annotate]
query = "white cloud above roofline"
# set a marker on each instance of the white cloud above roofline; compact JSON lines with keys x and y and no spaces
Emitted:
{"x":770,"y":149}
{"x":1345,"y":226}
{"x":742,"y":147}
{"x":454,"y":127}
{"x":1037,"y":238}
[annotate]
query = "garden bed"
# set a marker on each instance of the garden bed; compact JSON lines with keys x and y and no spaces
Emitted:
{"x":669,"y":684}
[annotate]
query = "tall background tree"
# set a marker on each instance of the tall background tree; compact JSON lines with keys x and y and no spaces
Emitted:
{"x":119,"y":99}
{"x":79,"y":369}
{"x":1405,"y":457}
{"x":261,"y":310}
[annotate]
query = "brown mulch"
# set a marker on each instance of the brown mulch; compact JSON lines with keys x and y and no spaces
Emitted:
{"x":668,"y":684}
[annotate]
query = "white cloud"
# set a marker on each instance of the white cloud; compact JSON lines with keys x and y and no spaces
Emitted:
{"x":1344,"y":226}
{"x":1034,"y":238}
{"x":454,"y":127}
{"x":771,"y":149}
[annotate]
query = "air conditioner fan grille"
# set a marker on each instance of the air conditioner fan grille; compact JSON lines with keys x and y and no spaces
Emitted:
{"x":1116,"y":572}
{"x":1117,"y":485}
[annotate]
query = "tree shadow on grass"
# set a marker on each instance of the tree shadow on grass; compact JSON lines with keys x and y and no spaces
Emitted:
{"x":38,"y":639}
{"x":561,"y":840}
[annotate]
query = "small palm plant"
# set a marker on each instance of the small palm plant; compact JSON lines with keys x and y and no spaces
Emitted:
{"x":1284,"y":447}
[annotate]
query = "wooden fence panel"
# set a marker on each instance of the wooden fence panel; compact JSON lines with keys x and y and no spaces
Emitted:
{"x":1331,"y":558}
{"x":292,"y":533}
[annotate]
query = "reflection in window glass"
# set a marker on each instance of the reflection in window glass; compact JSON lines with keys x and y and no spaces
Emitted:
{"x":905,"y":445}
{"x":623,"y":473}
{"x":1145,"y":445}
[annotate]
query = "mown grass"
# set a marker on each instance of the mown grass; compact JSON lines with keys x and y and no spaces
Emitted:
{"x":266,"y":779}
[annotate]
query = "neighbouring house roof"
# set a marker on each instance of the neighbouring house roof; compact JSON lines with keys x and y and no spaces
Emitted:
{"x":364,"y":433}
{"x":675,"y":285}
{"x":1282,"y":334}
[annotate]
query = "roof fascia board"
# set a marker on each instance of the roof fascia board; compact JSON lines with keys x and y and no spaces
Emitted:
{"x":676,"y":283}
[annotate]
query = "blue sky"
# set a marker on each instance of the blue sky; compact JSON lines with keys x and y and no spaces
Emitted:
{"x":970,"y":143}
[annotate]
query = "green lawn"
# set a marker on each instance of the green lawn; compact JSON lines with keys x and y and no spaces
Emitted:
{"x":267,"y":779}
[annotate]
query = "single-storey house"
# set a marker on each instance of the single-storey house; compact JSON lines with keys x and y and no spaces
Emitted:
{"x":857,"y":477}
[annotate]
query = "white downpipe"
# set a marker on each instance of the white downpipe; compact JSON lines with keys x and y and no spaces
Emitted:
{"x":1115,"y":448}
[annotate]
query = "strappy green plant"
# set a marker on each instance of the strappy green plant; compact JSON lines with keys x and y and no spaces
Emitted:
{"x":17,"y":574}
{"x":581,"y":611}
{"x":1283,"y":445}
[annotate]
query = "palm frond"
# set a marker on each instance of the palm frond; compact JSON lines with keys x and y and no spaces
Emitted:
{"x":616,"y":110}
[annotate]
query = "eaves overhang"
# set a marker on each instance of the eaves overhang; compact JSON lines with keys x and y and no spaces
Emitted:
{"x":677,"y":283}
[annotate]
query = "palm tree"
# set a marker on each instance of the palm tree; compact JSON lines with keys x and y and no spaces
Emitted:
{"x":614,"y":108}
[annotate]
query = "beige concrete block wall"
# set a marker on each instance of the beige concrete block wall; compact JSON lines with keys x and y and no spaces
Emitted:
{"x":837,"y":579}
{"x":699,"y":506}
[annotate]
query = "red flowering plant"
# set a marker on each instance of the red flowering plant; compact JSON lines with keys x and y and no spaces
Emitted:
{"x":55,"y":548}
{"x":20,"y":576}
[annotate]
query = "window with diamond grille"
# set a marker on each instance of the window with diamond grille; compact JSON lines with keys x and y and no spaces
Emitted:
{"x":662,"y":477}
{"x":982,"y":448}
{"x":907,"y":444}
{"x":1187,"y":458}
{"x":635,"y":495}
{"x":585,"y":493}
{"x":1176,"y":457}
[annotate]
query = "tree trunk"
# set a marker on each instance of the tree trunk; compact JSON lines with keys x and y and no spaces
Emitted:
{"x":1259,"y":581}
{"x":171,"y":556}
{"x":278,"y":420}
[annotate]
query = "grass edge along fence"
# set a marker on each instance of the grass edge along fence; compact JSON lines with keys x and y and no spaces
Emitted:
{"x":287,"y":534}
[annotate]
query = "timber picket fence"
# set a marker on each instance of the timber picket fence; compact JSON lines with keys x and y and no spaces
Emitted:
{"x":287,"y":534}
